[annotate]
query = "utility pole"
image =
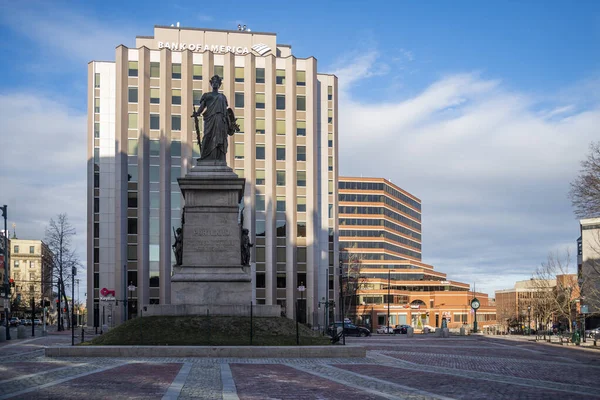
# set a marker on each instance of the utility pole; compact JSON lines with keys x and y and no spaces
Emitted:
{"x":6,"y":272}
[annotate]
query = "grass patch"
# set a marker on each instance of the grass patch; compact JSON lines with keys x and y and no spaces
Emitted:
{"x":209,"y":331}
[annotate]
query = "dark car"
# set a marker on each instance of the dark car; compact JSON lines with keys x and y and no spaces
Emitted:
{"x":14,"y":321}
{"x":401,"y":329}
{"x":349,"y":329}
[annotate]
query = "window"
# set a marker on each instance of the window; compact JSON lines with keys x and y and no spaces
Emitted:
{"x":132,"y":96}
{"x":154,"y":96}
{"x":280,"y":76}
{"x":301,"y":78}
{"x":300,"y":128}
{"x":260,"y":202}
{"x":301,"y":103}
{"x":238,"y":151}
{"x":132,"y":170}
{"x":175,"y":173}
{"x":239,"y":74}
{"x":175,"y":122}
{"x":239,"y":173}
{"x":176,"y":71}
{"x":281,"y":281}
{"x":300,"y":153}
{"x":260,"y":231}
{"x":132,"y":252}
{"x":260,"y":280}
{"x":96,"y":179}
{"x":96,"y":205}
{"x":260,"y":101}
{"x":330,"y":140}
{"x":154,"y":121}
{"x":97,"y":80}
{"x":280,"y":152}
{"x":196,"y":96}
{"x":280,"y":127}
{"x":260,"y":151}
{"x":154,"y":147}
{"x":132,"y":199}
{"x":96,"y":105}
{"x":260,"y":177}
{"x":197,"y":73}
{"x":132,"y":226}
{"x":330,"y":164}
{"x":260,"y":75}
{"x":280,"y":102}
{"x":301,"y":204}
{"x":96,"y":230}
{"x":176,"y":148}
{"x":281,"y":256}
{"x":301,"y":178}
{"x":31,"y":249}
{"x":176,"y":97}
{"x":260,"y":126}
{"x":16,"y":264}
{"x":133,"y":68}
{"x":132,"y":147}
{"x":240,"y":122}
{"x":219,"y":70}
{"x":330,"y":187}
{"x":280,"y":203}
{"x":280,"y":227}
{"x":154,"y":70}
{"x":301,"y":229}
{"x":330,"y":116}
{"x":329,"y":92}
{"x":280,"y":178}
{"x":133,"y":121}
{"x":239,"y":100}
{"x":96,"y":129}
{"x":330,"y":211}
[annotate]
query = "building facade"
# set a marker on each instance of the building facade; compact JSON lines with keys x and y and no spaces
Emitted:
{"x":141,"y":139}
{"x":31,"y":270}
{"x":384,"y":280}
{"x":588,"y":269}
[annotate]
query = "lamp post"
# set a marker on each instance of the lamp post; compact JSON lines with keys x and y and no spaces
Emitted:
{"x":528,"y":320}
{"x":4,"y":209}
{"x":342,"y":298}
{"x":131,"y":289}
{"x":301,"y":289}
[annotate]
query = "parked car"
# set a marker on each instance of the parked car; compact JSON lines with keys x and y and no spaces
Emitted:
{"x":14,"y":321}
{"x":385,"y":329}
{"x":430,"y":328}
{"x":37,"y":322}
{"x":349,"y":329}
{"x":26,"y":322}
{"x":401,"y":329}
{"x":592,"y":332}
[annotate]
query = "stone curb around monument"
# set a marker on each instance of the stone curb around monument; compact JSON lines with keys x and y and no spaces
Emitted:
{"x":347,"y":351}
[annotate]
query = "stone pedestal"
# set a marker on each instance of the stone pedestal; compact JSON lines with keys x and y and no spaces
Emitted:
{"x":211,"y":273}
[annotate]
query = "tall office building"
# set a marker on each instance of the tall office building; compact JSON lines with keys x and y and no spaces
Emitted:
{"x":141,"y":139}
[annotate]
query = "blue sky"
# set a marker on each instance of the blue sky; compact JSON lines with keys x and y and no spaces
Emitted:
{"x":482,"y":110}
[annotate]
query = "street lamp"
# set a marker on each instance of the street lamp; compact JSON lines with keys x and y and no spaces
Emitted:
{"x":388,"y":300}
{"x":301,"y":289}
{"x":4,"y":209}
{"x":131,"y":288}
{"x":528,"y":320}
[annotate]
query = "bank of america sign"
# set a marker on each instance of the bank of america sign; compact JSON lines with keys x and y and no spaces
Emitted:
{"x":261,"y":48}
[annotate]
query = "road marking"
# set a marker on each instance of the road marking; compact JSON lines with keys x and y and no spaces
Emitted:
{"x":59,"y":381}
{"x":362,"y":388}
{"x":175,"y":389}
{"x":229,"y":389}
{"x":41,"y":373}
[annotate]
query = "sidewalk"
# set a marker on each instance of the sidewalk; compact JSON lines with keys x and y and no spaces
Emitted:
{"x":587,"y":345}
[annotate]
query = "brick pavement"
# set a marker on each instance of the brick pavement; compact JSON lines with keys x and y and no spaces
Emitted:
{"x":396,"y":367}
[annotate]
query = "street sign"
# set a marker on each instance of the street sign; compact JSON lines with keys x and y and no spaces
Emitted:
{"x":584,"y":309}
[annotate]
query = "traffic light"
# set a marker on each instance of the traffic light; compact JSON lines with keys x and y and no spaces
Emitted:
{"x":11,"y":281}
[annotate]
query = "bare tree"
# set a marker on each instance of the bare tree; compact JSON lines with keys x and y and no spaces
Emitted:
{"x":585,"y":190}
{"x":353,"y":281}
{"x":59,"y":234}
{"x":589,"y":275}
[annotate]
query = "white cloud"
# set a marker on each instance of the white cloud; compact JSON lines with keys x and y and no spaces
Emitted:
{"x":492,"y":173}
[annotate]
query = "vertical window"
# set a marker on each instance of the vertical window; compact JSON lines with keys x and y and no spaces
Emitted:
{"x":260,"y":202}
{"x":280,"y":127}
{"x":280,"y":178}
{"x":239,"y":99}
{"x":301,"y":204}
{"x":196,"y":96}
{"x":132,"y":147}
{"x":96,"y":207}
{"x":97,"y":80}
{"x":280,"y":102}
{"x":301,"y":178}
{"x":239,"y":172}
{"x":96,"y":180}
{"x":301,"y":103}
{"x":154,"y":121}
{"x":96,"y":105}
{"x":330,"y":211}
{"x":301,"y":78}
{"x":260,"y":75}
{"x":197,"y":73}
{"x":133,"y":68}
{"x":330,"y":187}
{"x":300,"y":153}
{"x":154,"y":95}
{"x":132,"y":95}
{"x":239,"y":151}
{"x":239,"y":74}
{"x":154,"y":147}
{"x":219,"y":70}
{"x":175,"y":148}
{"x":154,"y":70}
{"x":260,"y":101}
{"x":280,"y":76}
{"x":240,"y":122}
{"x":280,"y":152}
{"x":330,"y":116}
{"x":260,"y":126}
{"x":96,"y":129}
{"x":16,"y":248}
{"x":260,"y":151}
{"x":176,"y":71}
{"x":300,"y":128}
{"x":280,"y":203}
{"x":330,"y":140}
{"x":31,"y":250}
{"x":330,"y":163}
{"x":176,"y":96}
{"x":260,"y":177}
{"x":301,"y":229}
{"x":133,"y":121}
{"x":329,"y":92}
{"x":175,"y":122}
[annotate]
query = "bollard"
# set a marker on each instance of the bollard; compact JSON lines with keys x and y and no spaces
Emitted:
{"x":2,"y":333}
{"x":462,"y":331}
{"x":82,"y":335}
{"x":410,"y":332}
{"x":446,"y":332}
{"x":21,"y":332}
{"x":438,"y":332}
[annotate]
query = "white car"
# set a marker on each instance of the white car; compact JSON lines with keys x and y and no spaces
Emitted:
{"x":385,"y":329}
{"x":430,"y":328}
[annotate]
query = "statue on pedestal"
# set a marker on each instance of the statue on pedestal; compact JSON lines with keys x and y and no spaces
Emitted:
{"x":178,"y":246}
{"x":245,"y":244}
{"x":219,"y":123}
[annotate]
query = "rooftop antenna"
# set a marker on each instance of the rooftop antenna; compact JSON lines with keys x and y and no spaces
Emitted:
{"x":14,"y":232}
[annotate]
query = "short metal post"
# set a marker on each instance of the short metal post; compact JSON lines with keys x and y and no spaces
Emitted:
{"x":297,"y":332}
{"x":251,"y":325}
{"x":82,"y":335}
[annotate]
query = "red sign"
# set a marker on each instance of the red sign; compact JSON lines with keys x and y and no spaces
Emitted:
{"x":106,"y":292}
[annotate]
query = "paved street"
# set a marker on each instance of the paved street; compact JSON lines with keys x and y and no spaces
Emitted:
{"x":396,"y":367}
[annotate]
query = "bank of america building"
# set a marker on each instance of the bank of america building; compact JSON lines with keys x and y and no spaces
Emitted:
{"x":141,"y":139}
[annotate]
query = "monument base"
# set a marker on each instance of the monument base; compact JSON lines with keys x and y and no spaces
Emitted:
{"x":218,"y":285}
{"x":222,"y":310}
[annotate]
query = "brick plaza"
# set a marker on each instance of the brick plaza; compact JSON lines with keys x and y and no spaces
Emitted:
{"x":396,"y":367}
